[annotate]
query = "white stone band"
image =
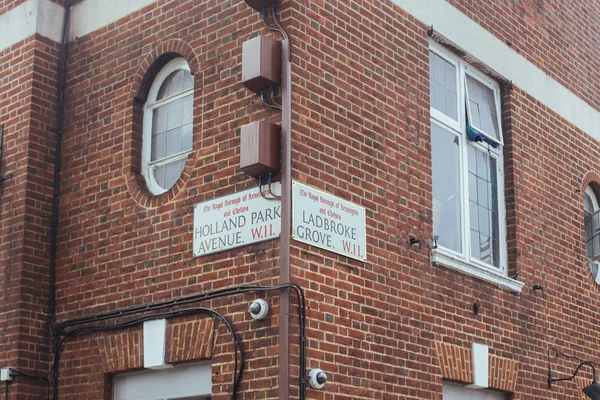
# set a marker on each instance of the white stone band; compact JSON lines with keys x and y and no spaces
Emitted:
{"x":491,"y":51}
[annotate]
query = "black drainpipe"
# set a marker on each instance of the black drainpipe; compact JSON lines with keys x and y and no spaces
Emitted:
{"x":60,"y":111}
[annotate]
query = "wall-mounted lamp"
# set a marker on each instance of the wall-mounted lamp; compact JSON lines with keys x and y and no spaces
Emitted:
{"x":592,"y":390}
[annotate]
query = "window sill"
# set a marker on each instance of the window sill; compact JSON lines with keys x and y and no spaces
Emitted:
{"x":483,"y":273}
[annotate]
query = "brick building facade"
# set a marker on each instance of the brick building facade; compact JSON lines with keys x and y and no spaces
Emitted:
{"x":466,"y":131}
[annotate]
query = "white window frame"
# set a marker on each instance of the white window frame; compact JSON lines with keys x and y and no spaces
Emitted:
{"x":593,"y":264}
{"x":462,"y":261}
{"x":186,"y":381}
{"x":148,"y":165}
{"x":496,"y":90}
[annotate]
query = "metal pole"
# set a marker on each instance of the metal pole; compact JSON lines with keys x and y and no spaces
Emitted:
{"x":286,"y":217}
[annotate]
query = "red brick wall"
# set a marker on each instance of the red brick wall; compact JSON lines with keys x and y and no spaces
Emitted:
{"x":552,"y":34}
{"x":27,"y":109}
{"x":119,"y":245}
{"x":361,"y":132}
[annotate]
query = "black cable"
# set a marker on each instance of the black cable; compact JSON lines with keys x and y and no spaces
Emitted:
{"x":567,"y":356}
{"x":61,"y":327}
{"x":6,"y":392}
{"x":16,"y":372}
{"x":238,"y":346}
{"x":276,"y":197}
{"x":262,"y":194}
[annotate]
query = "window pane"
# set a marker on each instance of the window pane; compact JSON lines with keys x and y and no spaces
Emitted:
{"x":592,"y":235}
{"x":173,"y":141}
{"x":164,"y":88}
{"x":482,"y":164}
{"x":595,"y":270}
{"x":176,"y":84}
{"x":159,"y":146}
{"x":591,"y":225}
{"x":482,"y":197}
{"x":589,"y":250}
{"x":159,"y":120}
{"x":482,"y":108}
{"x":446,"y":188}
{"x":186,"y":137}
{"x":473,"y":187}
{"x":443,"y":85}
{"x":485,"y":249}
{"x":160,"y":176}
{"x":173,"y":172}
{"x":189,"y":80}
{"x":475,"y":252}
{"x":587,"y":204}
{"x":596,"y":234}
{"x":175,"y":114}
{"x":188,"y":109}
{"x":484,"y":208}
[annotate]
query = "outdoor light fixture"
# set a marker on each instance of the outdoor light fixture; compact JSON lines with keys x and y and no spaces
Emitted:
{"x":592,"y":391}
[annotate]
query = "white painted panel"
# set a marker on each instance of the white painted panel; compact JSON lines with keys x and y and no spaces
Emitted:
{"x":90,"y":15}
{"x":480,"y":366}
{"x":50,"y":20}
{"x":457,"y":392}
{"x":23,"y":21}
{"x":481,"y":44}
{"x":178,"y":382}
{"x":155,"y":334}
{"x":17,"y":24}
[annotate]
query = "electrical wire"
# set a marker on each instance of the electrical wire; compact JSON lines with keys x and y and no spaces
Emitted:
{"x":279,"y":28}
{"x":238,"y":364}
{"x":272,"y":98}
{"x":273,"y":105}
{"x":16,"y":372}
{"x":285,"y":34}
{"x":567,"y":356}
{"x":60,"y":330}
{"x":264,"y":20}
{"x":263,"y":195}
{"x":299,"y":292}
{"x":277,"y":197}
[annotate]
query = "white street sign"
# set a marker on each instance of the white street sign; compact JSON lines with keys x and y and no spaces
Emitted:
{"x":328,"y":222}
{"x":236,"y":220}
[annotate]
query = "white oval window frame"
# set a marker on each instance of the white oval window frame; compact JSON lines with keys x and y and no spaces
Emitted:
{"x":593,"y":265}
{"x":148,"y":166}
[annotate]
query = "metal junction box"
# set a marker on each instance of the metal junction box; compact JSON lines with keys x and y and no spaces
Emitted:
{"x":260,"y":148}
{"x":261,"y":63}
